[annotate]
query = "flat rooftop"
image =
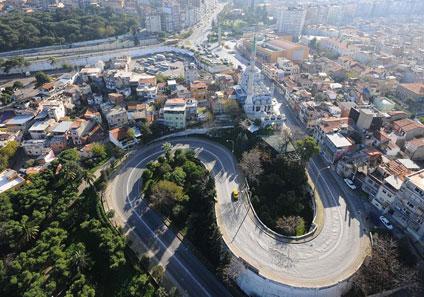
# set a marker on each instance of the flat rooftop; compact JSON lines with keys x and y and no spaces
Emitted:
{"x":9,"y":179}
{"x":338,"y":140}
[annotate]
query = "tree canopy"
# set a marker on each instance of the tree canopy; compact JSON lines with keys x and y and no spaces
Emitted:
{"x":54,"y":242}
{"x":19,"y":30}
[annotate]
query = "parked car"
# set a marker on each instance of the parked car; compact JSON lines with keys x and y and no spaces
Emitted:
{"x":386,"y":222}
{"x":350,"y":183}
{"x":235,"y":195}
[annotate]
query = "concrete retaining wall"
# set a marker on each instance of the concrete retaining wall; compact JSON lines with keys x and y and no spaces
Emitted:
{"x":255,"y":285}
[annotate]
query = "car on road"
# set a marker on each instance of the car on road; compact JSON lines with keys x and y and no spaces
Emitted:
{"x":386,"y":222}
{"x":235,"y":195}
{"x":350,"y":183}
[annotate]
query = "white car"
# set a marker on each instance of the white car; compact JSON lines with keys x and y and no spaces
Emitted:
{"x":350,"y":183}
{"x":386,"y":222}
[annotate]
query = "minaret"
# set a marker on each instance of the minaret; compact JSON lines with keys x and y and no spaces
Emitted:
{"x":219,"y":34}
{"x":248,"y":104}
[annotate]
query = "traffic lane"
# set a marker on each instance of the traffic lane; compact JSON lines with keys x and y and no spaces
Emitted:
{"x":156,"y":223}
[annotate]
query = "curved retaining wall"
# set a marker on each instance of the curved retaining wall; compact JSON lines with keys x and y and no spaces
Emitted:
{"x":255,"y":285}
{"x":281,"y":237}
{"x":94,"y":57}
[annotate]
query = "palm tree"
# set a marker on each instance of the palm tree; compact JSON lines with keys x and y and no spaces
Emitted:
{"x":79,"y":257}
{"x":167,"y":148}
{"x":89,"y":178}
{"x":29,"y":231}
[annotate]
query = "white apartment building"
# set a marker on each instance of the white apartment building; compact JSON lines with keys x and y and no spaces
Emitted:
{"x":409,"y":207}
{"x":36,"y":147}
{"x":54,"y":108}
{"x":291,"y":21}
{"x":174,"y":113}
{"x":117,"y":117}
{"x":40,"y":129}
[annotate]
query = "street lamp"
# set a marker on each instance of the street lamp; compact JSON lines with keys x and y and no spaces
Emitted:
{"x":232,"y":142}
{"x":319,"y":174}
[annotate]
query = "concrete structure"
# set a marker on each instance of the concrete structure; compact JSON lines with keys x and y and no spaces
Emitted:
{"x":120,"y":138}
{"x":54,"y":108}
{"x":10,"y":179}
{"x":174,"y":113}
{"x":334,"y":146}
{"x":40,"y":129}
{"x":116,"y":117}
{"x":153,"y":23}
{"x":269,"y":51}
{"x":36,"y":147}
{"x":409,"y":207}
{"x":19,"y":122}
{"x":291,"y":21}
{"x":384,"y":104}
{"x":412,"y":91}
{"x":387,"y":193}
{"x":415,"y":149}
{"x":199,"y":90}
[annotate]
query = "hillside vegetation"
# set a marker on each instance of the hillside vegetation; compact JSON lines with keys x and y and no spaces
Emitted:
{"x":19,"y":30}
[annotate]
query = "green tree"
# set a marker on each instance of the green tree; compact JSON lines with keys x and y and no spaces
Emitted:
{"x":307,"y":148}
{"x":167,"y":148}
{"x":6,"y":153}
{"x":18,"y":85}
{"x":131,"y":133}
{"x":99,"y":150}
{"x":42,"y":78}
{"x":178,"y":176}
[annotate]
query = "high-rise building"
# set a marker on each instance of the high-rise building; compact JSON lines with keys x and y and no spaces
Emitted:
{"x":153,"y":23}
{"x":291,"y":21}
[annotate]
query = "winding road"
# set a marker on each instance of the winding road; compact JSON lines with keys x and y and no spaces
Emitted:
{"x":329,"y":258}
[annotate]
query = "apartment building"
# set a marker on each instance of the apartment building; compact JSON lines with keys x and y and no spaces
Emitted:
{"x":174,"y":113}
{"x":409,"y":207}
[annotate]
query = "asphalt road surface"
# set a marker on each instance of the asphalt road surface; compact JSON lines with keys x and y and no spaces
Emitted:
{"x":189,"y":273}
{"x":334,"y":255}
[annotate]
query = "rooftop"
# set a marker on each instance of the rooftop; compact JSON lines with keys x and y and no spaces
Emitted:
{"x":418,"y":179}
{"x":417,"y":88}
{"x":39,"y":126}
{"x":339,"y":140}
{"x":20,"y":119}
{"x":9,"y":179}
{"x":62,"y":127}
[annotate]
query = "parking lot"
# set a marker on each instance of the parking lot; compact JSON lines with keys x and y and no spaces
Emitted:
{"x":168,"y":64}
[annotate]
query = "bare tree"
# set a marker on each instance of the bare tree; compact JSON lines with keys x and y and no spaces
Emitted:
{"x":286,"y":135}
{"x":251,"y":164}
{"x":233,"y":269}
{"x":384,"y":270}
{"x":287,"y":225}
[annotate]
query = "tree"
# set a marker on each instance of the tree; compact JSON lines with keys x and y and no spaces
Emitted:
{"x":131,"y":133}
{"x":18,"y":85}
{"x":157,"y":273}
{"x":14,"y":62}
{"x":99,"y":150}
{"x":384,"y":271}
{"x":167,"y":148}
{"x":164,"y":195}
{"x":233,"y":269}
{"x":307,"y":148}
{"x":178,"y":176}
{"x":137,"y":285}
{"x":42,"y":78}
{"x":251,"y":164}
{"x":6,"y":153}
{"x":289,"y":224}
{"x":285,"y":134}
